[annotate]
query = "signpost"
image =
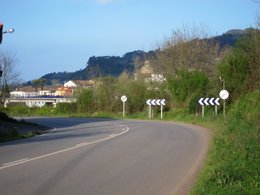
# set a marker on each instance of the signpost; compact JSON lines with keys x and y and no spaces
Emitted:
{"x":223,"y":94}
{"x":148,"y":102}
{"x":209,"y":102}
{"x":155,"y":102}
{"x":123,"y":99}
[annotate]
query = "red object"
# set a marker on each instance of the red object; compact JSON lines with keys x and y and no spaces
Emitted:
{"x":1,"y":32}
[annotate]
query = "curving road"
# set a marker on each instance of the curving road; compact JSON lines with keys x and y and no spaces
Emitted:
{"x":104,"y":157}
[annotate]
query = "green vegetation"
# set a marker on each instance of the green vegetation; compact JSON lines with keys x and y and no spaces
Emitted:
{"x":10,"y":129}
{"x":233,"y":163}
{"x":14,"y":135}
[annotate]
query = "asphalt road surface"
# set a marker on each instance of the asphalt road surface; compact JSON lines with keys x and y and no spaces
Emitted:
{"x":104,"y":157}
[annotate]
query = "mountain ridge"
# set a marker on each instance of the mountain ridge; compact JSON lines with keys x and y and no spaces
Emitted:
{"x":103,"y":66}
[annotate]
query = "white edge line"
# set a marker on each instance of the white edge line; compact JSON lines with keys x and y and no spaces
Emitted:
{"x":22,"y":161}
{"x":14,"y":162}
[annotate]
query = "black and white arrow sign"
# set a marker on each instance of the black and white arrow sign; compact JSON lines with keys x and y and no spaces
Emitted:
{"x":209,"y":101}
{"x":156,"y":102}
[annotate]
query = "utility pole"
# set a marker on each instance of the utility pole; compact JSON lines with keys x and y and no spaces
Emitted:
{"x":1,"y":38}
{"x":224,"y":95}
{"x":11,"y":30}
{"x":224,"y":103}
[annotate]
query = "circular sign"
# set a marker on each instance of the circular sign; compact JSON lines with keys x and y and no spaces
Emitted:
{"x":223,"y":94}
{"x":123,"y":98}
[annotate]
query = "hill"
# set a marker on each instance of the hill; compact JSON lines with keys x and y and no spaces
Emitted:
{"x":103,"y":66}
{"x":229,"y":38}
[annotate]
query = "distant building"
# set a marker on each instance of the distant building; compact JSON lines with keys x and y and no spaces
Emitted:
{"x":146,"y":68}
{"x":80,"y":83}
{"x":159,"y":78}
{"x":70,"y":84}
{"x":29,"y":91}
{"x":146,"y":73}
{"x":67,"y":90}
{"x":64,"y":91}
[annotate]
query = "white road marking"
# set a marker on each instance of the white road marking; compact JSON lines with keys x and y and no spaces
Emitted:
{"x":82,"y":144}
{"x":14,"y":162}
{"x":25,"y":160}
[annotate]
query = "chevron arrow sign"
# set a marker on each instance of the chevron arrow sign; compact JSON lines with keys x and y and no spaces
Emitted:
{"x":156,"y":102}
{"x":148,"y":102}
{"x":209,"y":101}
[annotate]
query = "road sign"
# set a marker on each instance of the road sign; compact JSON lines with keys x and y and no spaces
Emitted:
{"x":148,"y":102}
{"x":123,"y":98}
{"x":156,"y":102}
{"x":209,"y":101}
{"x":224,"y":94}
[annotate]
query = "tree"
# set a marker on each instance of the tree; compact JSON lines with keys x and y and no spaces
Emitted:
{"x":42,"y":83}
{"x":9,"y":74}
{"x":241,"y":67}
{"x":39,"y":83}
{"x":85,"y":101}
{"x":36,"y":84}
{"x":188,"y":84}
{"x":106,"y":94}
{"x":188,"y":48}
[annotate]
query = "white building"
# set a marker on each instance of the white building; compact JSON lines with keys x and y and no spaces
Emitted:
{"x":159,"y":78}
{"x":23,"y":94}
{"x":70,"y":84}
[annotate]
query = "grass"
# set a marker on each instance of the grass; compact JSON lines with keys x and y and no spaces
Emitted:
{"x":12,"y":129}
{"x":233,"y":163}
{"x":14,"y":135}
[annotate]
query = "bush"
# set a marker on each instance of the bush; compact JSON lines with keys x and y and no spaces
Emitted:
{"x":85,"y":103}
{"x":187,"y":84}
{"x":241,"y":67}
{"x":194,"y":106}
{"x":66,"y":108}
{"x":6,"y":118}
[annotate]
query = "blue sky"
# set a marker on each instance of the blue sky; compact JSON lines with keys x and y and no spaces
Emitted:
{"x":60,"y":35}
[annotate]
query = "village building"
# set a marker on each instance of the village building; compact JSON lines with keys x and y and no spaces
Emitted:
{"x":147,"y":73}
{"x":80,"y":83}
{"x":29,"y":91}
{"x":50,"y":91}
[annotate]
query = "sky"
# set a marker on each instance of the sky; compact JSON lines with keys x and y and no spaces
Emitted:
{"x":61,"y":35}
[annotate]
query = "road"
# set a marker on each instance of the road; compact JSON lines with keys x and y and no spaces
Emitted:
{"x":104,"y":157}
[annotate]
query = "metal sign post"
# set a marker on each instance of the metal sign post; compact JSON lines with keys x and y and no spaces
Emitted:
{"x":161,"y":111}
{"x":148,"y":102}
{"x":123,"y":99}
{"x":224,"y":95}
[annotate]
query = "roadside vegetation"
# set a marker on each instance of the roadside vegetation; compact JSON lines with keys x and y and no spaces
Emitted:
{"x":12,"y":129}
{"x":233,"y":162}
{"x":192,"y":66}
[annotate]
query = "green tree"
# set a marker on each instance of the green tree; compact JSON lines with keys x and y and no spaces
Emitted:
{"x":187,"y":84}
{"x":105,"y":94}
{"x":39,"y":83}
{"x":85,"y":101}
{"x":241,"y":67}
{"x":188,"y":48}
{"x":136,"y":93}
